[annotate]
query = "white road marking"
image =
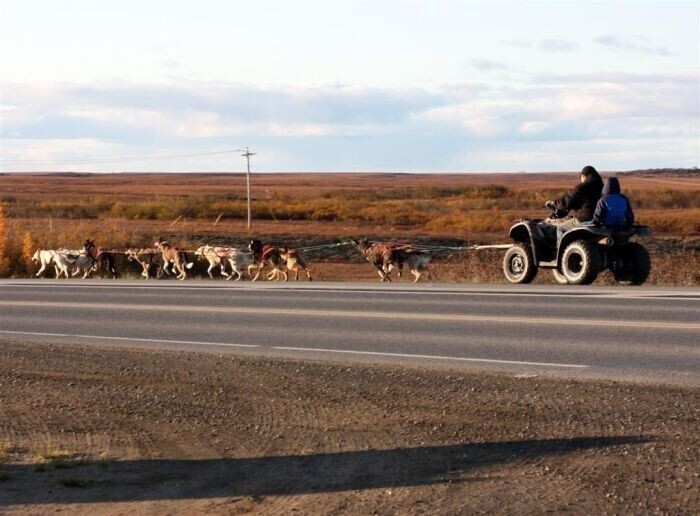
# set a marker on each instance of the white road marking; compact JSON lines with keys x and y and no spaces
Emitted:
{"x":135,"y":339}
{"x":290,"y":348}
{"x":434,"y":357}
{"x":364,"y":314}
{"x":579,"y":292}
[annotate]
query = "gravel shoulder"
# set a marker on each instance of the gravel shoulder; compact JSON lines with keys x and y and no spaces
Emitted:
{"x":111,"y":431}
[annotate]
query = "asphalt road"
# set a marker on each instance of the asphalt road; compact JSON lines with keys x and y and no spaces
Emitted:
{"x":641,"y":334}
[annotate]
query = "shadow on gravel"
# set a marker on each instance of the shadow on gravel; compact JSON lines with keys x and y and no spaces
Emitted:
{"x":170,"y":479}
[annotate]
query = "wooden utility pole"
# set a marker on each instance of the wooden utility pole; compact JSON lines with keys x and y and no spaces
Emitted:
{"x":247,"y":154}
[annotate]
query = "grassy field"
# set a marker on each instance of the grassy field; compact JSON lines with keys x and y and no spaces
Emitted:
{"x":123,"y":210}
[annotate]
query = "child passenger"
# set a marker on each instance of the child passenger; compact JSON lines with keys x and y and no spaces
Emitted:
{"x":613,"y":208}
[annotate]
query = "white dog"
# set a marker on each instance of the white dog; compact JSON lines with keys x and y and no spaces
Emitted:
{"x":215,"y":256}
{"x":240,"y":260}
{"x":59,"y":259}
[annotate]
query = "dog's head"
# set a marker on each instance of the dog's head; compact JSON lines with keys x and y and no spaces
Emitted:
{"x":362,"y":244}
{"x":35,"y":257}
{"x":255,"y":246}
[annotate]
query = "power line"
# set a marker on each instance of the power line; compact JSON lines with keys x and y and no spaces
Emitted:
{"x":19,"y":162}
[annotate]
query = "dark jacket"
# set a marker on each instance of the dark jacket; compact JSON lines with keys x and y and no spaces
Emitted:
{"x":613,"y":208}
{"x":582,"y":198}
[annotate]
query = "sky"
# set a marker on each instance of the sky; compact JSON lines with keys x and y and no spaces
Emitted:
{"x":386,"y":86}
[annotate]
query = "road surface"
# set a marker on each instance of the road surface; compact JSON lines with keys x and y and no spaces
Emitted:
{"x":641,"y":334}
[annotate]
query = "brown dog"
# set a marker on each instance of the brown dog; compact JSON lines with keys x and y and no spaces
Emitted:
{"x":267,"y":254}
{"x":383,"y":256}
{"x":295,"y":261}
{"x":173,"y":256}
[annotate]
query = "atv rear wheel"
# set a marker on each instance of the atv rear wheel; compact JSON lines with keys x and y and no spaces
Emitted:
{"x":636,"y":265}
{"x":518,"y":264}
{"x":581,"y":262}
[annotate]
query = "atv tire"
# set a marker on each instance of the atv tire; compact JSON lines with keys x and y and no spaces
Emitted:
{"x":559,"y":278}
{"x":581,"y":262}
{"x":636,"y":265}
{"x":519,"y":265}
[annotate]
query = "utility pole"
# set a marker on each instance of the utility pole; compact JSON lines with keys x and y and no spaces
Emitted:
{"x":247,"y":154}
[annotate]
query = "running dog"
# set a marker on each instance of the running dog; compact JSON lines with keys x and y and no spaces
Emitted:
{"x":146,"y":258}
{"x":215,"y":256}
{"x":383,"y":256}
{"x":103,"y":259}
{"x":295,"y":261}
{"x":417,"y":263}
{"x":267,"y":254}
{"x":239,"y":260}
{"x":48,"y":257}
{"x":173,"y":256}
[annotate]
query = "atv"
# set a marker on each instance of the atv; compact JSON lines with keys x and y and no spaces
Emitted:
{"x":582,"y":253}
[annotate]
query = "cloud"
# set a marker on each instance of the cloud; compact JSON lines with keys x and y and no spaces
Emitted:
{"x":486,"y":65}
{"x":348,"y":127}
{"x":639,"y":45}
{"x":687,"y":79}
{"x":545,"y":45}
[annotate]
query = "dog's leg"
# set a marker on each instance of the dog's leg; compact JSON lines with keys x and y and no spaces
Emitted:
{"x":250,"y":275}
{"x":211,"y":266}
{"x":260,"y":268}
{"x":416,"y":273}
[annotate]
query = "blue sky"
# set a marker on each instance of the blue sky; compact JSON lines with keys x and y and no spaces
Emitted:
{"x":349,"y":86}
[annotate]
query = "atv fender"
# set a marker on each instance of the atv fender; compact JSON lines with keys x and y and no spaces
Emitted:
{"x":527,"y":232}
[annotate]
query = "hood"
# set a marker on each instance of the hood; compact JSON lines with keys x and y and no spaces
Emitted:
{"x":611,"y":186}
{"x":593,"y":175}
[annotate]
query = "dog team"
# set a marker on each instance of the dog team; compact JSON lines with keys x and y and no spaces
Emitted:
{"x":165,"y":259}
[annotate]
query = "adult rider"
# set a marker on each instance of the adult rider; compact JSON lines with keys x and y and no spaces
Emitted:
{"x":582,"y":199}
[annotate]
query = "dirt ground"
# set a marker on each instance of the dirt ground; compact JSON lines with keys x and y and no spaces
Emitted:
{"x":116,"y":431}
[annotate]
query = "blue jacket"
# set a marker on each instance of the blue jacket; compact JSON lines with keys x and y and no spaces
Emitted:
{"x":613,"y":208}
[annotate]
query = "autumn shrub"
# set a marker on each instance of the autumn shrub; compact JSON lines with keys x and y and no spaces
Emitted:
{"x":4,"y":244}
{"x":29,"y":246}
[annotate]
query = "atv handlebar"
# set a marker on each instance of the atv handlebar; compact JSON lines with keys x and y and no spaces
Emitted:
{"x":556,"y":213}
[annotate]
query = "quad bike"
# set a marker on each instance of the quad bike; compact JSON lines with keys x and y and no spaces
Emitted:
{"x":583,"y":252}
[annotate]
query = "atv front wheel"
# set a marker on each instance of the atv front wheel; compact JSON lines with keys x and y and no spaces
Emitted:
{"x":518,"y":264}
{"x":581,"y":262}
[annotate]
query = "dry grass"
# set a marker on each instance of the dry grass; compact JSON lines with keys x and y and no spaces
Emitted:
{"x":119,"y":211}
{"x":51,"y":457}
